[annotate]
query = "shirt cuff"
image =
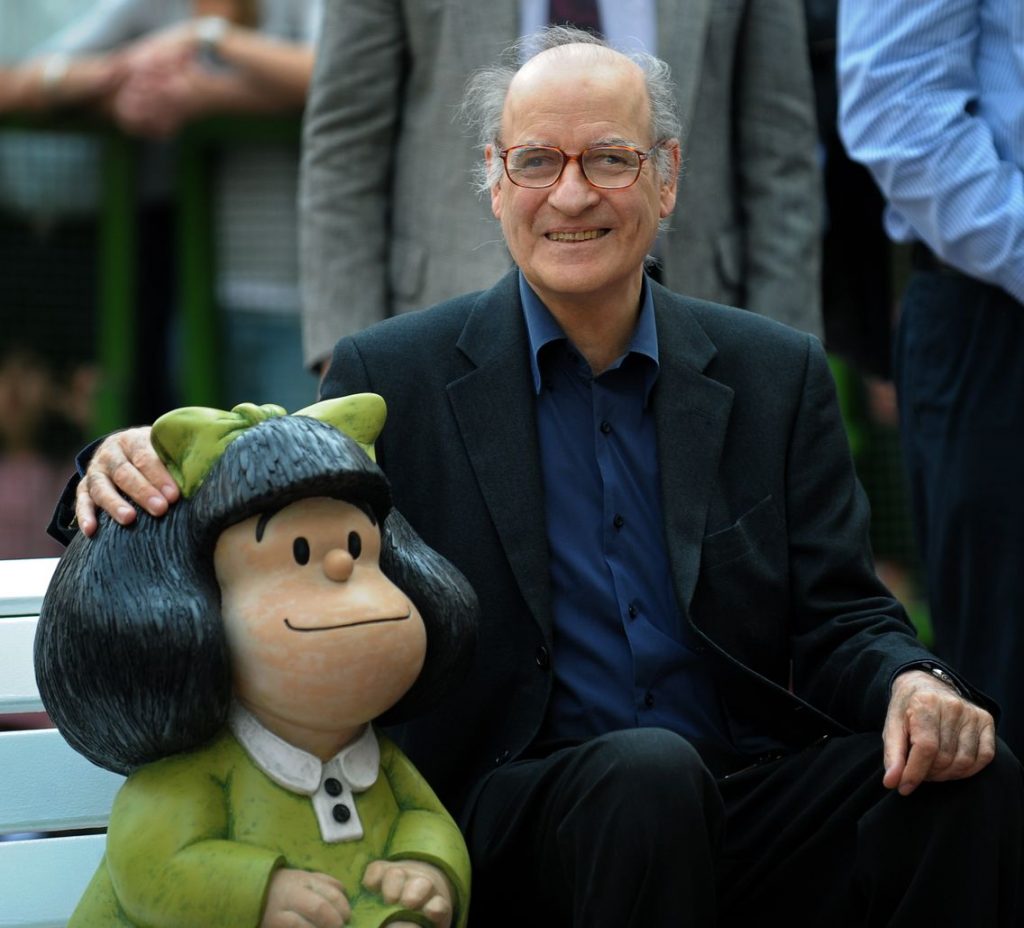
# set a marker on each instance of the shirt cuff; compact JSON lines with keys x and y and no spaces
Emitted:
{"x":62,"y":525}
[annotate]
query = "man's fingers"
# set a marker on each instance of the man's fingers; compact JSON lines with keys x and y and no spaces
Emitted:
{"x":924,"y":746}
{"x":85,"y":511}
{"x":894,"y":748}
{"x":96,"y":491}
{"x":124,"y":465}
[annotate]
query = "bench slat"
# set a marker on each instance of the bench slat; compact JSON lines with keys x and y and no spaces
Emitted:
{"x":23,"y":584}
{"x":42,"y":880}
{"x":18,"y":691}
{"x":49,"y":787}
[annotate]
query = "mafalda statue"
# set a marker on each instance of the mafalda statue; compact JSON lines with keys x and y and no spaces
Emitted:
{"x":231,"y":657}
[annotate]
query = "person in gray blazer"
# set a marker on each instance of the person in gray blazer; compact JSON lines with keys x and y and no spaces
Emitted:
{"x":692,"y":702}
{"x":388,"y":221}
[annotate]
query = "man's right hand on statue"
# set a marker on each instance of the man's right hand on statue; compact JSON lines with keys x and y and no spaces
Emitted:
{"x":305,"y":899}
{"x":124,"y":465}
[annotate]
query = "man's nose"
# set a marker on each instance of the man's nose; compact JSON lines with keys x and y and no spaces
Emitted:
{"x":338,"y":564}
{"x":572,"y":192}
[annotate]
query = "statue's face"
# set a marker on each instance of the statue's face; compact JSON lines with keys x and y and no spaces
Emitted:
{"x":319,"y":638}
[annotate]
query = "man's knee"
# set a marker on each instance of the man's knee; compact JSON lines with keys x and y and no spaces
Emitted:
{"x":648,"y":779}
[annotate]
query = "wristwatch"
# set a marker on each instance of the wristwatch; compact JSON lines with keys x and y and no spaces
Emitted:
{"x":944,"y":677}
{"x":209,"y":32}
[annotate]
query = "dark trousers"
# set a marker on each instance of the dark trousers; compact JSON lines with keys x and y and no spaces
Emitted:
{"x":631,"y":830}
{"x":960,"y":377}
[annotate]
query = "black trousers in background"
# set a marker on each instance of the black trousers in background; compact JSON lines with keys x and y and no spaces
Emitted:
{"x":960,"y":378}
{"x":631,"y":830}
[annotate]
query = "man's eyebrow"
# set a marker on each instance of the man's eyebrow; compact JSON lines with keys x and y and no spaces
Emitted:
{"x":596,"y":143}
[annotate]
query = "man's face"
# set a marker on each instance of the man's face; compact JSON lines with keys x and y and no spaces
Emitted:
{"x":574,"y":241}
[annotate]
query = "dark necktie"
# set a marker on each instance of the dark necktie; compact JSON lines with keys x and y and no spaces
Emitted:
{"x":581,"y":13}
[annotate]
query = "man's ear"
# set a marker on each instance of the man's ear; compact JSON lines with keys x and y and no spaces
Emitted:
{"x":489,"y":155}
{"x":670,"y":186}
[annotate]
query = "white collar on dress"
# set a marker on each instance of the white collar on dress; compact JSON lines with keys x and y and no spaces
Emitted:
{"x":331,"y":786}
{"x":298,"y":770}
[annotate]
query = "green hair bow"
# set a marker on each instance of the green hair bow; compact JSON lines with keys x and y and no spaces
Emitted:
{"x":190,"y":440}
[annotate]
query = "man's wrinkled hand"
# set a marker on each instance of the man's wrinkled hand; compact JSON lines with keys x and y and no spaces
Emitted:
{"x":932,"y":733}
{"x":124,"y":465}
{"x":414,"y":885}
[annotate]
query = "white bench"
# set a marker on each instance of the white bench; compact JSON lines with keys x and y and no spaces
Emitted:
{"x":46,"y":789}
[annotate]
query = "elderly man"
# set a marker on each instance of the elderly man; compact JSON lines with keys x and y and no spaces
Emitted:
{"x":693,"y":702}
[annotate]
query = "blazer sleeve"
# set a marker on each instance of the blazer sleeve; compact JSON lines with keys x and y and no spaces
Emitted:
{"x":849,"y":635}
{"x":349,"y":133}
{"x":779,"y":181}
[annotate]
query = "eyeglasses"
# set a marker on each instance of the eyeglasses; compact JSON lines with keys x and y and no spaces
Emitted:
{"x":611,"y":167}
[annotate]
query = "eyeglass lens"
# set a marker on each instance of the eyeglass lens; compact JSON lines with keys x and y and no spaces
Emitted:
{"x":604,"y":167}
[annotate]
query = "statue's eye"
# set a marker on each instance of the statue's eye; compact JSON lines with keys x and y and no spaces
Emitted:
{"x":300,"y":550}
{"x":355,"y":544}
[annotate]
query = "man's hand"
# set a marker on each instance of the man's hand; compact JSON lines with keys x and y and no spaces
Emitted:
{"x":124,"y":463}
{"x":304,"y":899}
{"x":932,"y":733}
{"x":413,"y":884}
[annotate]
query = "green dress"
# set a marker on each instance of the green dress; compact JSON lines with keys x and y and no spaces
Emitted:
{"x":195,"y":838}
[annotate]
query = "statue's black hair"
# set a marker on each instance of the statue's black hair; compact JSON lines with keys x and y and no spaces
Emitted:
{"x":131,"y":655}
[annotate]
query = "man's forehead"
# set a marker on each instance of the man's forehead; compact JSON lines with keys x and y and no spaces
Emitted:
{"x":576,"y":62}
{"x":590,"y":82}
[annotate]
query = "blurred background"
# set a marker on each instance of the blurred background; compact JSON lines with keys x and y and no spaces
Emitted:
{"x":138,"y":270}
{"x":138,"y":274}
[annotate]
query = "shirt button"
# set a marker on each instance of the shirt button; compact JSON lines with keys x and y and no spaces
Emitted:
{"x":633,"y":610}
{"x":618,"y":521}
{"x":543,"y":658}
{"x":649,"y":700}
{"x":341,"y":813}
{"x":332,"y":786}
{"x":606,"y":427}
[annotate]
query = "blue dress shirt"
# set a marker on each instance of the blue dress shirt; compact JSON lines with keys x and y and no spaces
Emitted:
{"x":932,"y":101}
{"x":623,"y":655}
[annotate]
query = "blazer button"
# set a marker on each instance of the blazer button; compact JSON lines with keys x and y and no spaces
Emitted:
{"x":501,"y":758}
{"x":543,"y":658}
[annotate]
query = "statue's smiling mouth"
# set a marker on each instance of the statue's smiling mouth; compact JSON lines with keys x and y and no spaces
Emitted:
{"x":327,"y":628}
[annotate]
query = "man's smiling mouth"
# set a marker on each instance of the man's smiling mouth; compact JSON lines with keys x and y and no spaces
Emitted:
{"x":586,"y":235}
{"x":327,"y":628}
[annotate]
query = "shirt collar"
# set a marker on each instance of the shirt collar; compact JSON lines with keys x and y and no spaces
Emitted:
{"x":542,"y":328}
{"x":297,"y":770}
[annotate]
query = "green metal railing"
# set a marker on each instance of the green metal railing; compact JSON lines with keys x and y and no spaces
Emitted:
{"x":117,"y":258}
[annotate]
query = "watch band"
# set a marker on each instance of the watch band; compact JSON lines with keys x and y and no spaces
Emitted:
{"x":944,"y":677}
{"x":209,"y":31}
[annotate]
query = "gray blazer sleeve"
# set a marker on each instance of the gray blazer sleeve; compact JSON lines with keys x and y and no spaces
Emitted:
{"x":350,"y":125}
{"x":779,"y":179}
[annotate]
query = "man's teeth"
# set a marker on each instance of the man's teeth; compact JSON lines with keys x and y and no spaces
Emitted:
{"x":576,"y":236}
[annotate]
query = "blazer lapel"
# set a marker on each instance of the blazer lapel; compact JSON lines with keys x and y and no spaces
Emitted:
{"x":691,"y":414}
{"x":495,"y":412}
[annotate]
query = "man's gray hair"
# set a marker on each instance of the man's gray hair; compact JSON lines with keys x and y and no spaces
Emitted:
{"x":484,"y":100}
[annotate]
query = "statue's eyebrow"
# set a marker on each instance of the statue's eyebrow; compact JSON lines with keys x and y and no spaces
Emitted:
{"x":261,"y":525}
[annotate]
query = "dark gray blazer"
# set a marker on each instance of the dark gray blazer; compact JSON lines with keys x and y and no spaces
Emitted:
{"x":766,"y":524}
